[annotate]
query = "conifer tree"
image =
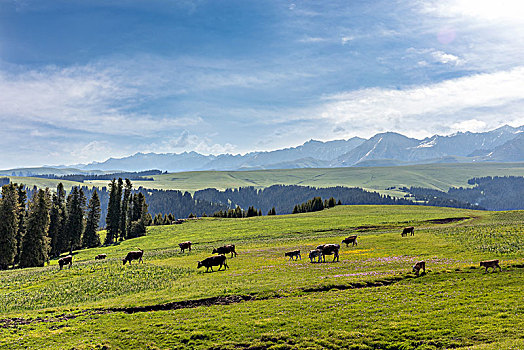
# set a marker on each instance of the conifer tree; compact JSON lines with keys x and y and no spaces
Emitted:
{"x":8,"y":225}
{"x":75,"y":218}
{"x":91,"y":238}
{"x":113,"y":213}
{"x":124,"y":212}
{"x":35,"y":243}
{"x":22,"y":217}
{"x":54,"y":226}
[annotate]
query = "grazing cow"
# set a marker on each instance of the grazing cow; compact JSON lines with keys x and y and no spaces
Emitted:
{"x":228,"y":248}
{"x":329,"y":249}
{"x":184,"y":245}
{"x":294,"y":255}
{"x":317,"y":253}
{"x":66,"y":260}
{"x":491,"y":263}
{"x":100,"y":257}
{"x":350,"y":239}
{"x":135,"y":255}
{"x":216,"y":260}
{"x":407,"y":230}
{"x":421,"y":265}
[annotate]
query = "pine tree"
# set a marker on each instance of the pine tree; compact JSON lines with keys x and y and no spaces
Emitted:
{"x":35,"y":244}
{"x":22,"y":218}
{"x":8,"y":225}
{"x":113,"y":214}
{"x":75,"y":218}
{"x":91,"y":238}
{"x":124,"y":212}
{"x":54,"y":226}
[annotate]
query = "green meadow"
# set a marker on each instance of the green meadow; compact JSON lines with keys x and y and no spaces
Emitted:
{"x":370,"y":299}
{"x":435,"y":176}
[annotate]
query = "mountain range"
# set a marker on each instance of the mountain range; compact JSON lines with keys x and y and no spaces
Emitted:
{"x":505,"y":144}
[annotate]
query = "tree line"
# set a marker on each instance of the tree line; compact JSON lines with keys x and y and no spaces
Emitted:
{"x":491,"y":193}
{"x":284,"y":197}
{"x":315,"y":204}
{"x":44,"y":225}
{"x":134,"y":175}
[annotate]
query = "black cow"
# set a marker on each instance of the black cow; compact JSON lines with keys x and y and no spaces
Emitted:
{"x":228,"y":248}
{"x":135,"y":255}
{"x":217,"y":260}
{"x":329,"y":249}
{"x":66,"y":260}
{"x":294,"y":255}
{"x":184,"y":245}
{"x":407,"y":230}
{"x":100,"y":257}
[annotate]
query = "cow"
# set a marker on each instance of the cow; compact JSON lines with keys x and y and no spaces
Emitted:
{"x":216,"y":260}
{"x":317,"y":253}
{"x":134,"y":255}
{"x":491,"y":263}
{"x":294,"y":255}
{"x":228,"y":248}
{"x":350,"y":239}
{"x":421,"y":265}
{"x":66,"y":260}
{"x":407,"y":230}
{"x":329,"y":249}
{"x":100,"y":257}
{"x":184,"y":245}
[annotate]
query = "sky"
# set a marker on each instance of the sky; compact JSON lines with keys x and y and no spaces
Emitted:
{"x":82,"y":81}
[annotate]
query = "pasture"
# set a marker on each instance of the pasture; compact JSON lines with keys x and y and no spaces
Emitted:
{"x":368,"y":300}
{"x":435,"y":176}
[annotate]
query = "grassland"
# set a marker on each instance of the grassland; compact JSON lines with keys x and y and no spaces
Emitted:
{"x":436,"y":176}
{"x":368,"y":300}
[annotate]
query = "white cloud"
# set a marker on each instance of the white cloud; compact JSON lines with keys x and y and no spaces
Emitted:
{"x":446,"y":58}
{"x":472,"y":125}
{"x":310,"y":39}
{"x":423,"y":110}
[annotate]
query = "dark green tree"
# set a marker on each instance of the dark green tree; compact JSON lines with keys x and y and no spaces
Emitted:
{"x":75,"y":218}
{"x":22,"y":217}
{"x":124,"y":212}
{"x":8,"y":225}
{"x":91,"y":238}
{"x":35,"y":243}
{"x":113,"y":213}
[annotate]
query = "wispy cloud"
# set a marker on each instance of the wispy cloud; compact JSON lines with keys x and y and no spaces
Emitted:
{"x":447,"y":105}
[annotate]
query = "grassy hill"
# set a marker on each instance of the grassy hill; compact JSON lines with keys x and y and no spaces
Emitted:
{"x":436,"y":176}
{"x":368,"y":300}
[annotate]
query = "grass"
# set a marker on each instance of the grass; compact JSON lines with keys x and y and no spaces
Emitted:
{"x":435,"y":176}
{"x":368,"y":300}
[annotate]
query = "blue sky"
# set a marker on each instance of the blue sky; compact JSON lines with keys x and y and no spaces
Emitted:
{"x":83,"y":81}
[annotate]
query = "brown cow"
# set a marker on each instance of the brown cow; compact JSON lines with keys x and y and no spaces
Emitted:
{"x":350,"y":239}
{"x":66,"y":260}
{"x":491,"y":263}
{"x":184,"y":245}
{"x":135,"y":255}
{"x":407,"y":230}
{"x":100,"y":257}
{"x":228,"y":248}
{"x":421,"y":265}
{"x":215,"y":260}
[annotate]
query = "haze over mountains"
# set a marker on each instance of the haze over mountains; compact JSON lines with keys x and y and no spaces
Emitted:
{"x":505,"y":144}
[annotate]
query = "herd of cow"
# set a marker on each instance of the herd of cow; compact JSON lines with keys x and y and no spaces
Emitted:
{"x":315,"y":255}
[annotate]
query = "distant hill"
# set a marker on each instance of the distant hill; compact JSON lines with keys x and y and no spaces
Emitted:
{"x":505,"y":144}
